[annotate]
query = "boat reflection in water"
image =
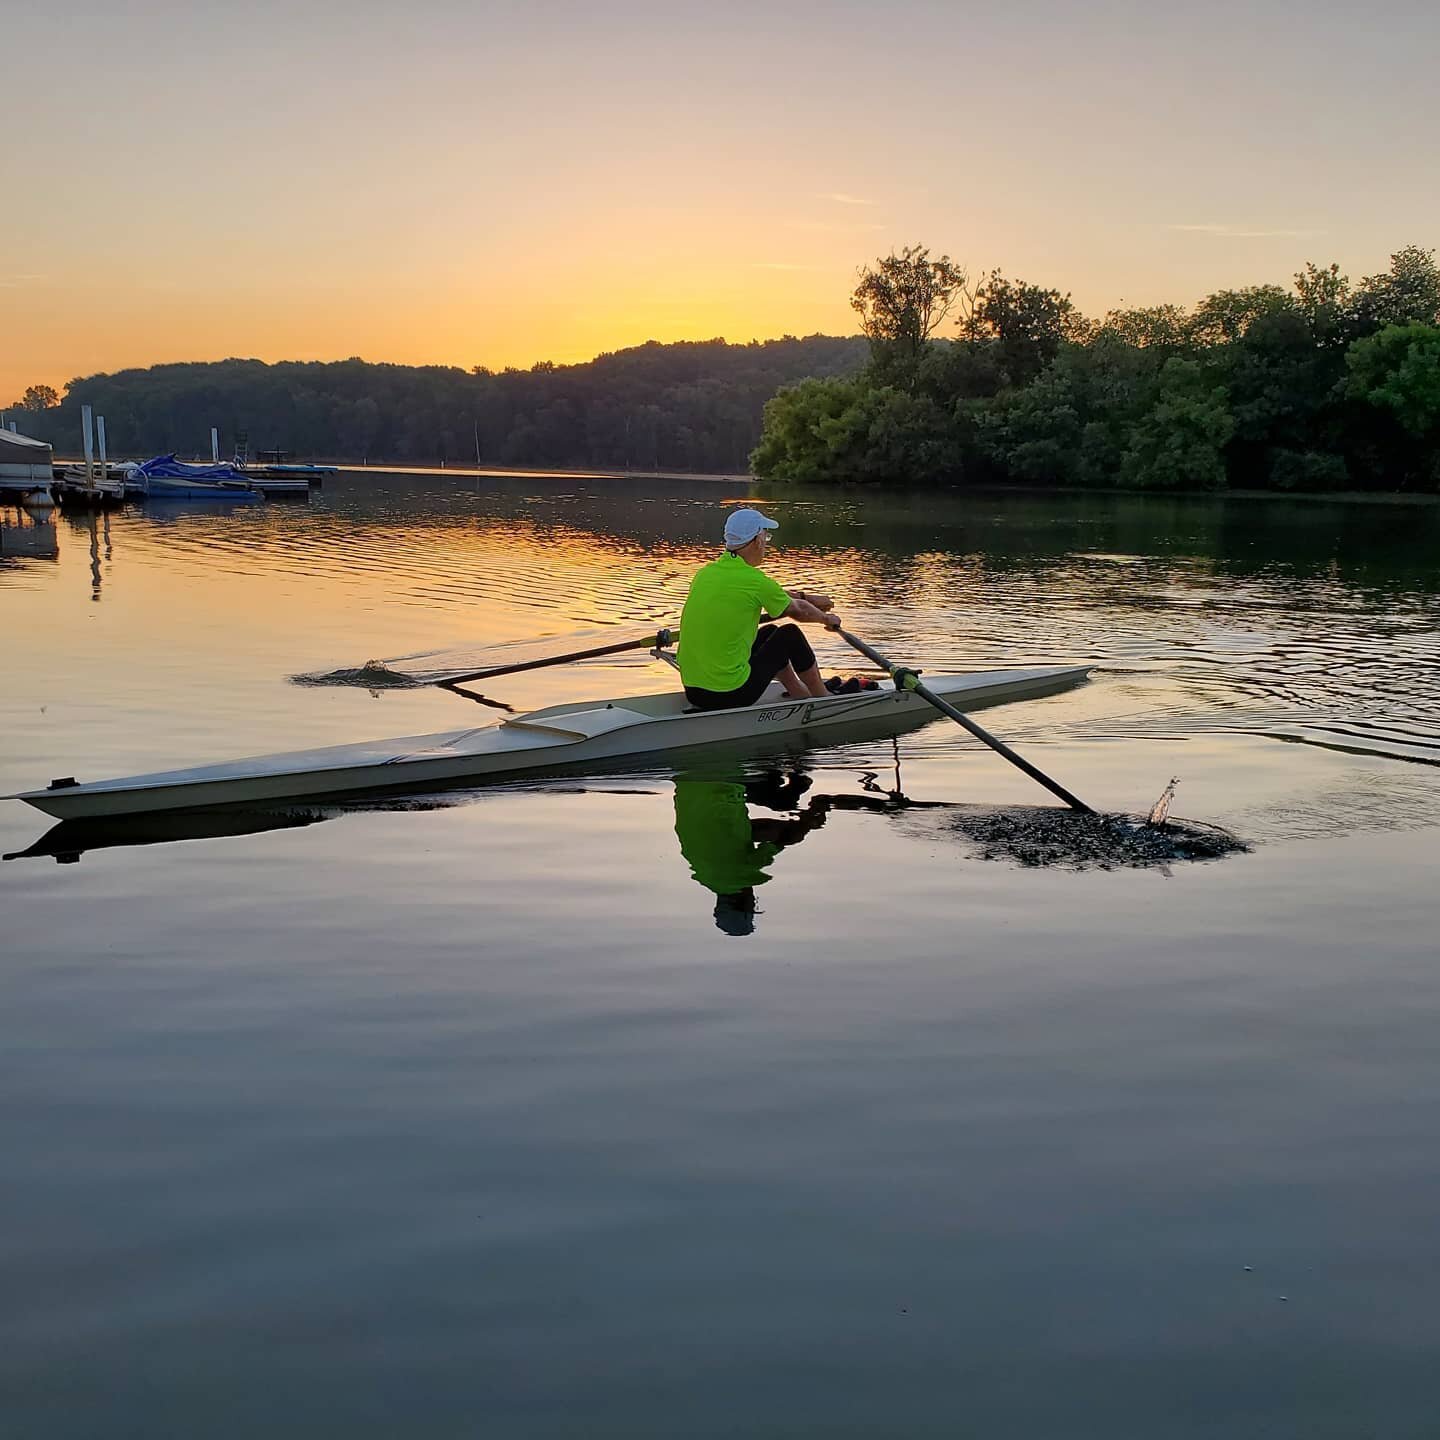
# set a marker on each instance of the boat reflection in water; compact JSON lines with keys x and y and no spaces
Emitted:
{"x":70,"y":839}
{"x":727,"y":850}
{"x":728,"y":847}
{"x":30,"y":535}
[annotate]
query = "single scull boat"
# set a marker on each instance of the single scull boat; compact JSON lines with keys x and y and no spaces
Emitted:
{"x":562,"y":735}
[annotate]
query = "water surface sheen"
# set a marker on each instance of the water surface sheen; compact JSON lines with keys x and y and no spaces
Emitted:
{"x":726,"y":1098}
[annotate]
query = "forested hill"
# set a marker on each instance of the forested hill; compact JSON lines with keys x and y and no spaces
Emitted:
{"x":1322,"y":386}
{"x":693,"y":406}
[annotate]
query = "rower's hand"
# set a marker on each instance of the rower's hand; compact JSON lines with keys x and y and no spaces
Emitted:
{"x":820,"y":602}
{"x":832,"y":620}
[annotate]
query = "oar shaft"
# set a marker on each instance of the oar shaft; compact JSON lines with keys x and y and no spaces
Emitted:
{"x":910,"y":681}
{"x":649,"y":642}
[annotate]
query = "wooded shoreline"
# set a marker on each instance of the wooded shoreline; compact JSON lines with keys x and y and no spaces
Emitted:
{"x":1322,"y":390}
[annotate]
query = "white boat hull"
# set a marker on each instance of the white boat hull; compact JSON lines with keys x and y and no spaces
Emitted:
{"x":563,"y":735}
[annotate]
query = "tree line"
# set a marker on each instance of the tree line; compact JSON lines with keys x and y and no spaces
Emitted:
{"x":693,"y":406}
{"x":1321,"y":386}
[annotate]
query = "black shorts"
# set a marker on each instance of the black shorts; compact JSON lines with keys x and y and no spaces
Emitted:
{"x":775,"y":647}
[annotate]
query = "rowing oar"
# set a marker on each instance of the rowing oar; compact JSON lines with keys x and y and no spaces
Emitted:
{"x":907,"y":679}
{"x":654,"y":641}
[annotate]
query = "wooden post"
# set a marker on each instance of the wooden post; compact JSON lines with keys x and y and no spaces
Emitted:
{"x":214,"y":445}
{"x":100,"y":433}
{"x":87,"y":430}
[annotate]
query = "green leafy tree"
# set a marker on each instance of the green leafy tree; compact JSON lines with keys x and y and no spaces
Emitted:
{"x":1393,"y":383}
{"x":1114,"y":384}
{"x":903,"y":299}
{"x":1227,"y":315}
{"x":1398,"y":371}
{"x":801,"y":424}
{"x":898,"y":437}
{"x":1032,"y":434}
{"x":1280,"y":383}
{"x":1154,"y":327}
{"x":1408,"y":293}
{"x":1180,"y":443}
{"x":1394,"y":379}
{"x":1073,"y":424}
{"x":855,"y":432}
{"x":1027,"y":323}
{"x":951,"y":371}
{"x":1323,"y":295}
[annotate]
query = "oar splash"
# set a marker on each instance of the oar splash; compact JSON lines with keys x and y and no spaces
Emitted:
{"x":1084,"y":839}
{"x":372,"y":675}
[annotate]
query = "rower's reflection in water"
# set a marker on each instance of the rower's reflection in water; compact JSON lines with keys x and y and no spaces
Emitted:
{"x":729,"y":851}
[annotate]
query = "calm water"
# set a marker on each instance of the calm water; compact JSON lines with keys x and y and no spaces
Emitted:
{"x":478,"y":1116}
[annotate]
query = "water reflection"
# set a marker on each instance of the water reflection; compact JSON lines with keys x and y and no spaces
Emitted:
{"x":728,"y":849}
{"x":70,"y":839}
{"x":95,"y":575}
{"x":28,"y":535}
{"x":1206,"y":618}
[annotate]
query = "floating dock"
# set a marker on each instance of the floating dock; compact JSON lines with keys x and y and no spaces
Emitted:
{"x":73,"y":489}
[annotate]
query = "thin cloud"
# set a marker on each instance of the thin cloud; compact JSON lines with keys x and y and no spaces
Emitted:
{"x":1242,"y":232}
{"x":840,"y":198}
{"x":849,"y":227}
{"x":14,"y":282}
{"x":781,"y":265}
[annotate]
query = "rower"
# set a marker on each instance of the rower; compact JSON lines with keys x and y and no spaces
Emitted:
{"x":726,"y":659}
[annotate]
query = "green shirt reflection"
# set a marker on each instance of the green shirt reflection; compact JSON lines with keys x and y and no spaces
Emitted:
{"x":728,"y":851}
{"x":716,"y":837}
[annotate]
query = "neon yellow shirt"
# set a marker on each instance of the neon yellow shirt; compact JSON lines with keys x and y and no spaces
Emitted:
{"x":720,"y":619}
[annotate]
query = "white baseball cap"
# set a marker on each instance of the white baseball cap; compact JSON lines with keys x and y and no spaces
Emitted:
{"x":742,"y":526}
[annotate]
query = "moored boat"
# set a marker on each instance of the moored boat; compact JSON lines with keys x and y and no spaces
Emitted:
{"x":166,"y":478}
{"x":575,"y":734}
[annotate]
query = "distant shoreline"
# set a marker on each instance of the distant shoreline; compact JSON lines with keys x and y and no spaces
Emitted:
{"x":1342,"y":497}
{"x":537,"y":472}
{"x":1339,"y":497}
{"x":521,"y":472}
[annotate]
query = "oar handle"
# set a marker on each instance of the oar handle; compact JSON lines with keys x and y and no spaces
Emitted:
{"x":907,"y":679}
{"x":856,"y":643}
{"x":658,"y":640}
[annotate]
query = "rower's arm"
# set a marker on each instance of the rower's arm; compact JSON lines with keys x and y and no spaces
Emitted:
{"x":820,"y":602}
{"x":809,"y":614}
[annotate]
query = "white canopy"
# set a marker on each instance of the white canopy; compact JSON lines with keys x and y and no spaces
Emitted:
{"x":24,"y":459}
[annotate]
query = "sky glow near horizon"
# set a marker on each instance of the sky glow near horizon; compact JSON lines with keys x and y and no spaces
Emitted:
{"x":500,"y":183}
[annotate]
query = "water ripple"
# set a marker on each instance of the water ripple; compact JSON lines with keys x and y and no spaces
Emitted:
{"x":1296,"y":647}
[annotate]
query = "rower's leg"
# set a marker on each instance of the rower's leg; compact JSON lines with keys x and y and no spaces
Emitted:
{"x":790,"y":682}
{"x":811,"y":680}
{"x":804,"y":682}
{"x":785,"y":654}
{"x":802,"y":664}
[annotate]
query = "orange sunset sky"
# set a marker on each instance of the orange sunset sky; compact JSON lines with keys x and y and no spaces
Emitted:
{"x":500,"y":183}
